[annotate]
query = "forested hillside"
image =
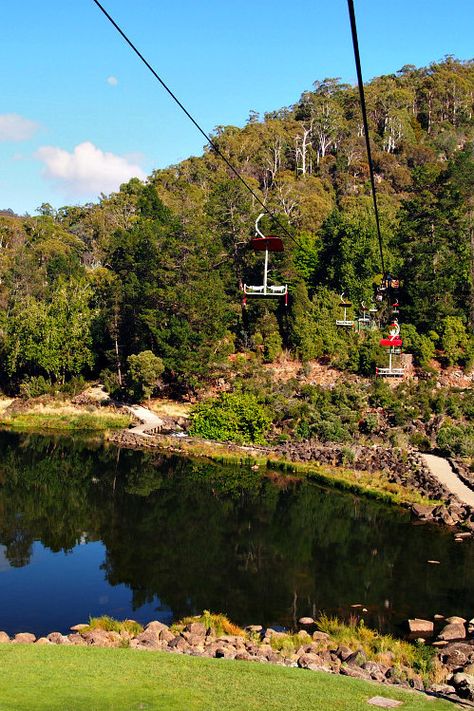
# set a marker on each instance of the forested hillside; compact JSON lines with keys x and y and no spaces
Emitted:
{"x":158,"y":266}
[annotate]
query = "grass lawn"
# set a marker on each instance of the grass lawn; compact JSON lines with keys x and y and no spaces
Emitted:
{"x":58,"y":678}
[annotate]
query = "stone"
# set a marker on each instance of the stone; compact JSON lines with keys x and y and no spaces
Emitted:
{"x":254,"y":629}
{"x":420,"y":627}
{"x":456,"y":620}
{"x":58,"y":638}
{"x":464,"y":685}
{"x":452,"y":631}
{"x":100,"y":638}
{"x":354,"y":672}
{"x":155,"y":627}
{"x":442,"y":689}
{"x":196,"y":628}
{"x":320,"y":636}
{"x":384,"y":703}
{"x":42,"y":641}
{"x":24,"y":638}
{"x":344,"y":652}
{"x":375,"y":671}
{"x":306,"y":621}
{"x":456,"y":654}
{"x":310,"y":661}
{"x":77,"y":639}
{"x":469,"y":669}
{"x":79,"y":628}
{"x":178,"y":644}
{"x":4,"y":637}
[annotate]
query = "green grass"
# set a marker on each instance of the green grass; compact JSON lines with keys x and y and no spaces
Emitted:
{"x":109,"y":624}
{"x":65,"y":422}
{"x":59,"y":678}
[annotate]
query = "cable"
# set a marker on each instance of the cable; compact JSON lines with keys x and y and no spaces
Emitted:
{"x":213,"y":145}
{"x":366,"y":124}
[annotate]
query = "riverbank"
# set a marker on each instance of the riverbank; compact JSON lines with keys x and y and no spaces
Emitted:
{"x":390,"y":475}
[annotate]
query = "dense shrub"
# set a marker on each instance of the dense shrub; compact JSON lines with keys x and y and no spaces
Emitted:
{"x":237,"y":417}
{"x":456,"y":440}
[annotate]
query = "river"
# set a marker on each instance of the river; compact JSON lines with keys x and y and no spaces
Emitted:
{"x":87,"y":529}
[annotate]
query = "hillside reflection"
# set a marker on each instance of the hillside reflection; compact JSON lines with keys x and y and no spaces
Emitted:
{"x":202,"y":536}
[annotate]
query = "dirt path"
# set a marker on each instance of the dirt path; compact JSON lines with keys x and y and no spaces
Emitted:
{"x":148,"y":420}
{"x":441,"y":469}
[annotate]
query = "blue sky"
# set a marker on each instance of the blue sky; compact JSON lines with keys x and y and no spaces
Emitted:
{"x":79,"y":113}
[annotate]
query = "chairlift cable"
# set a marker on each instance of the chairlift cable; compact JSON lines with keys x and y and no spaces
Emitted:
{"x":360,"y":82}
{"x":209,"y":140}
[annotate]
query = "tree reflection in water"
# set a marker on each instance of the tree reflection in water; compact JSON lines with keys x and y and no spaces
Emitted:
{"x":198,"y":535}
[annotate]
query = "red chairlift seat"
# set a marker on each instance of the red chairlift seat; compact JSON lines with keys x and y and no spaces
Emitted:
{"x":391,"y":342}
{"x":270,"y":243}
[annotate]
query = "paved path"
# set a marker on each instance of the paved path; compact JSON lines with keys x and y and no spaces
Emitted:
{"x":441,"y":469}
{"x":148,"y":420}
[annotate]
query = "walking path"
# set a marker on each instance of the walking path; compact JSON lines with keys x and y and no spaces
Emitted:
{"x":148,"y":420}
{"x":441,"y":469}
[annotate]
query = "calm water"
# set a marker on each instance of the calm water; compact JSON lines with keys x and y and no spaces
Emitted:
{"x":89,"y":530}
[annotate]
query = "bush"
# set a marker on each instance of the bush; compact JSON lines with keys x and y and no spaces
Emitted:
{"x":454,"y":339}
{"x":422,"y":347}
{"x":236,"y":417}
{"x":144,"y":371}
{"x":456,"y":440}
{"x":33,"y":386}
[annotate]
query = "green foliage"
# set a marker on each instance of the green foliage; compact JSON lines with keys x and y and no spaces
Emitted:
{"x":236,"y":417}
{"x":454,"y":340}
{"x":51,"y":336}
{"x":217,"y":623}
{"x":456,"y":440}
{"x":109,"y":624}
{"x":422,"y":347}
{"x":144,"y":371}
{"x":32,"y":386}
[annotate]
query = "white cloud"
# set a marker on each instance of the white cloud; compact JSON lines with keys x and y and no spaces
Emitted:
{"x":113,"y":81}
{"x":14,"y":127}
{"x":87,"y":170}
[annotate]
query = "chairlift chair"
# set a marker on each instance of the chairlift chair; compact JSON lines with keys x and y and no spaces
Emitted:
{"x":262,"y":243}
{"x":364,"y":321}
{"x":345,"y":322}
{"x":394,"y":345}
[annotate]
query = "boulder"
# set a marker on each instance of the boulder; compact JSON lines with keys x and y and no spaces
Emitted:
{"x":456,"y":655}
{"x":58,"y":638}
{"x":77,"y":639}
{"x":254,"y":629}
{"x":196,"y":628}
{"x":376,"y":671}
{"x":444,"y":689}
{"x":354,"y":672}
{"x":310,"y":661}
{"x":454,"y":620}
{"x":101,"y":638}
{"x":452,"y":631}
{"x":305,"y":621}
{"x":4,"y":637}
{"x":320,"y":636}
{"x":42,"y":641}
{"x":178,"y":644}
{"x":464,"y":685}
{"x":344,"y":652}
{"x":24,"y":638}
{"x":79,"y":628}
{"x":156,"y":627}
{"x":420,"y":627}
